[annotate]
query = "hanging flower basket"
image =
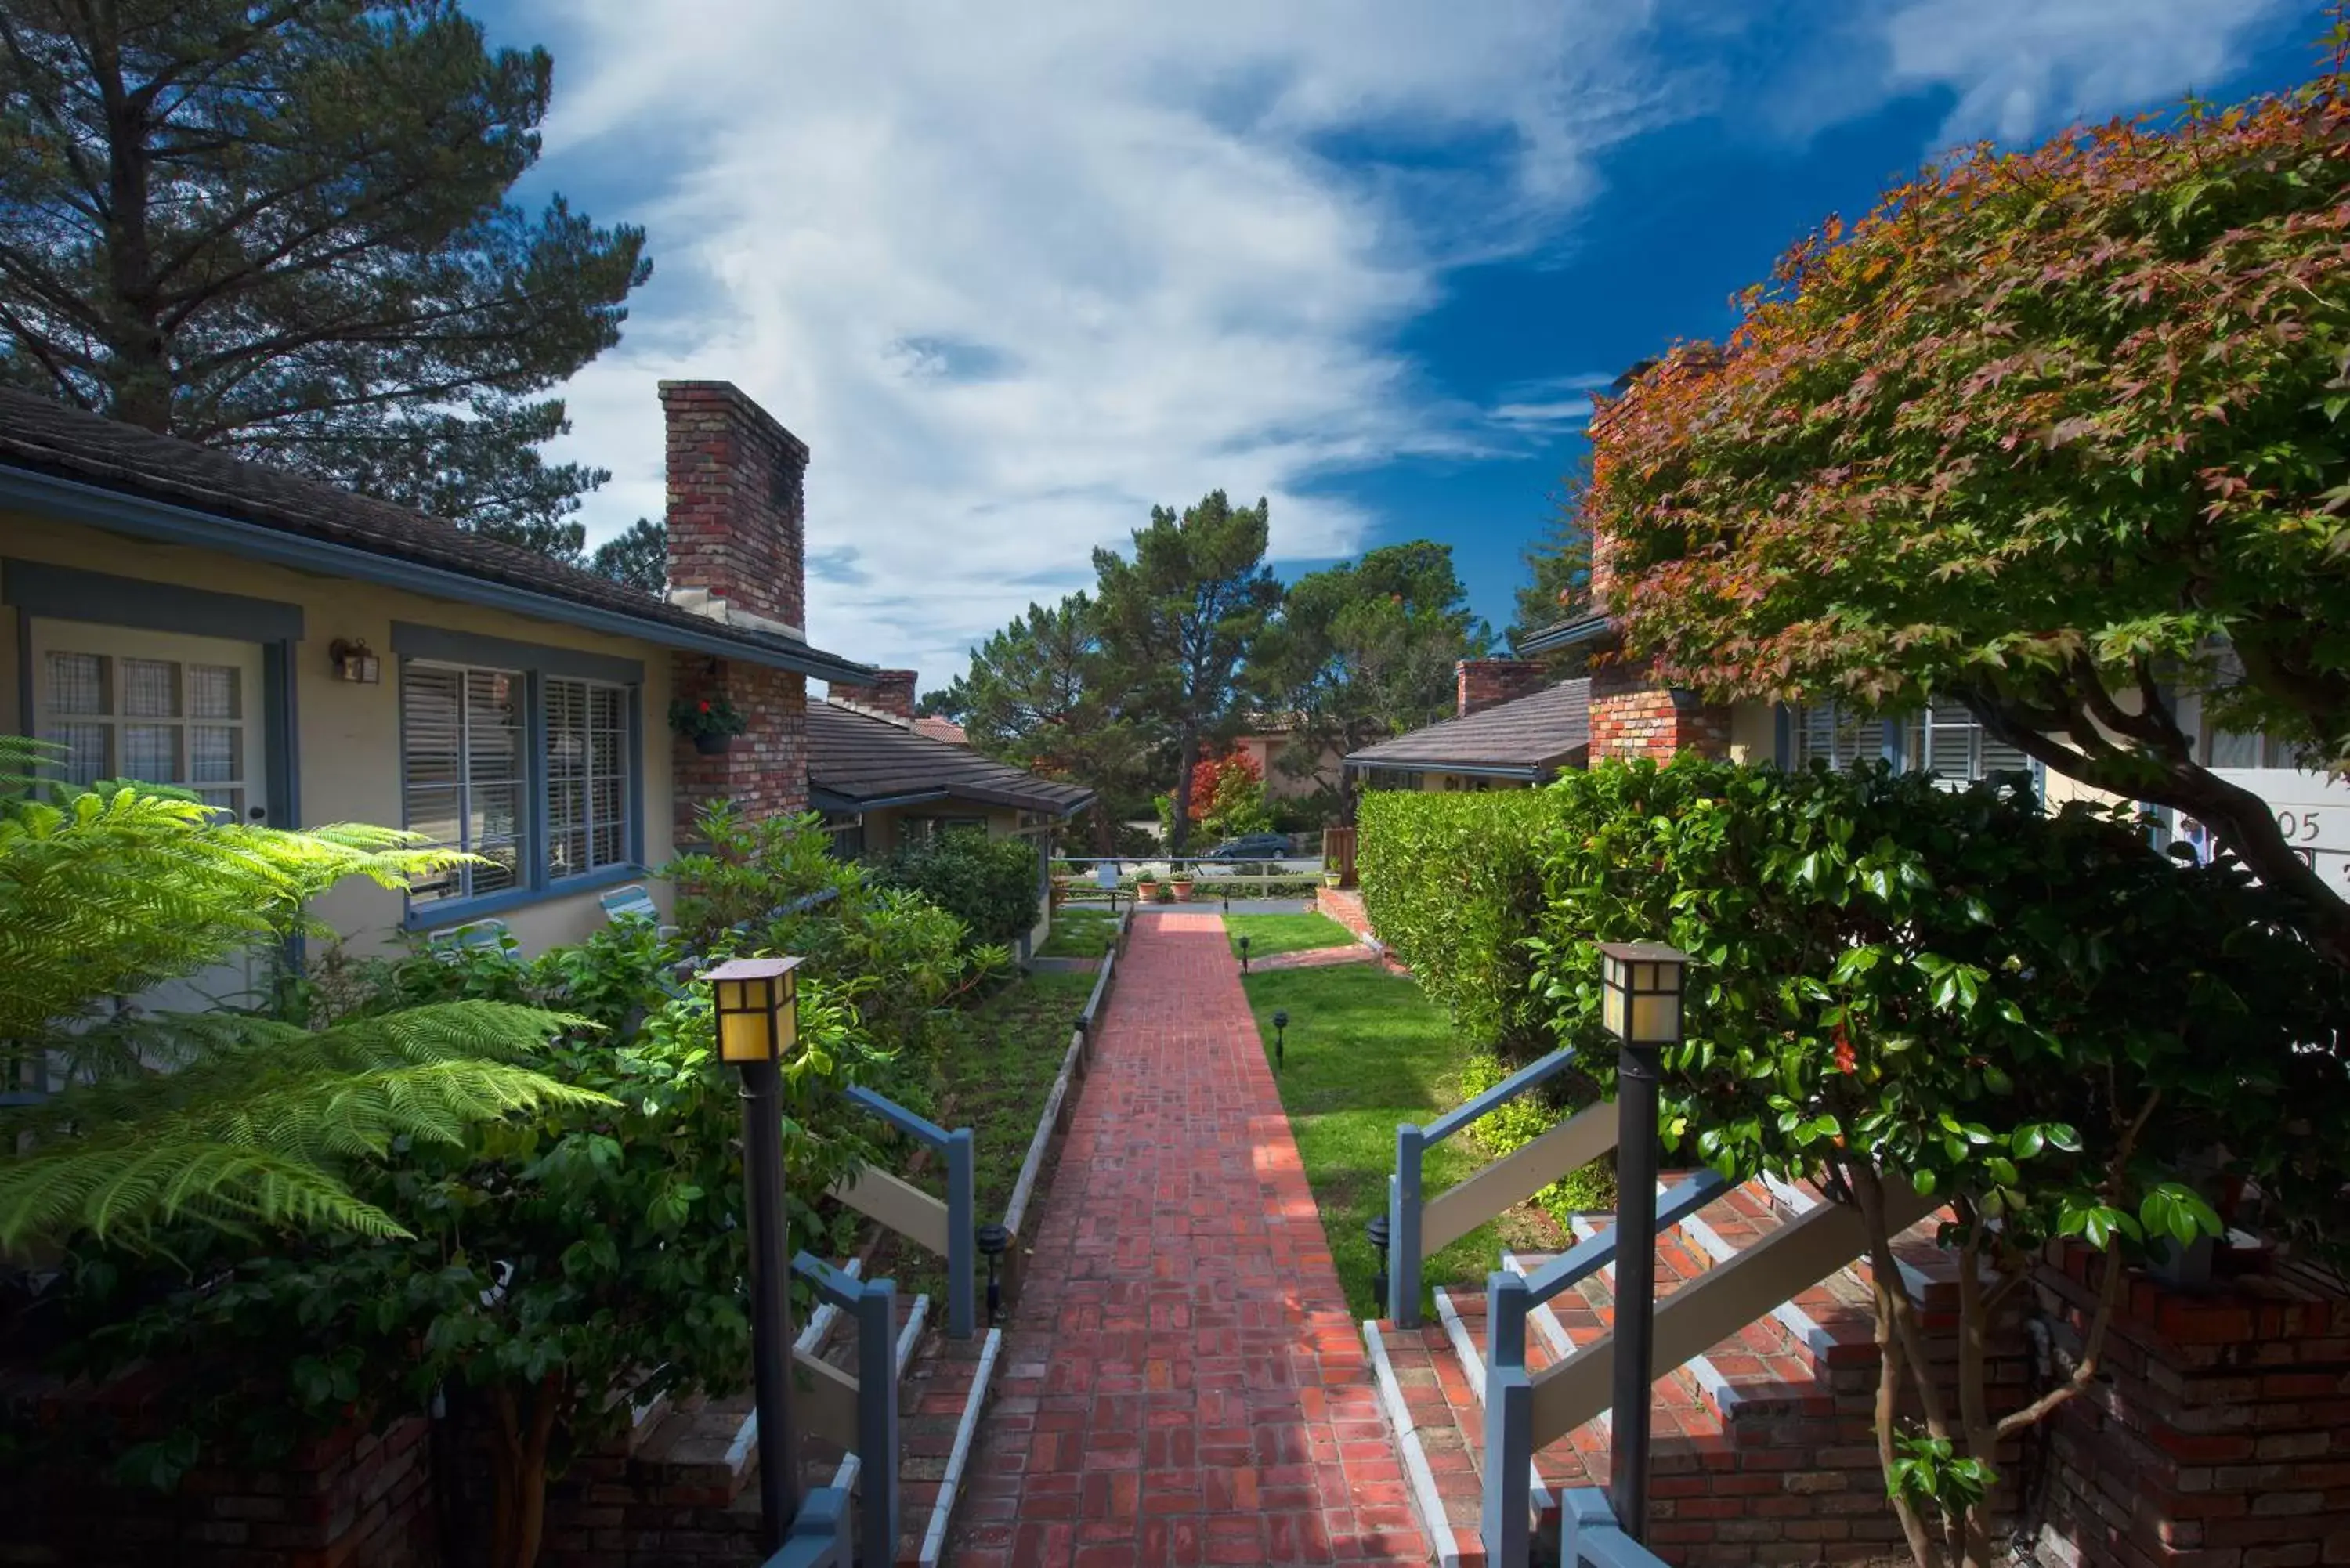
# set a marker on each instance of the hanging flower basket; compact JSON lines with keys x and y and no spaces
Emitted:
{"x":710,"y":723}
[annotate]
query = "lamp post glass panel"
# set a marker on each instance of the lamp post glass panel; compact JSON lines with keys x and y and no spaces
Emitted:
{"x":757,"y":1006}
{"x":1640,"y":1006}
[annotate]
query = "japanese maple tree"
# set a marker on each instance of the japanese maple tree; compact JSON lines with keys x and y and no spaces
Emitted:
{"x":2055,"y":433}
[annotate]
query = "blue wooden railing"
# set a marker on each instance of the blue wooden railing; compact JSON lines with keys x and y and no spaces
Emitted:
{"x":820,"y":1535}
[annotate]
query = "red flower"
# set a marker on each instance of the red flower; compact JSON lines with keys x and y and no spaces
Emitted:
{"x":705,"y":704}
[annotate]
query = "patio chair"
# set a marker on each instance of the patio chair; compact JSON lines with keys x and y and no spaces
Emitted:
{"x":634,"y":902}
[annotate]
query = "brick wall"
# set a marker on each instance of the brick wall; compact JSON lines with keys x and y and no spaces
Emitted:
{"x":1631,"y":717}
{"x":765,"y":772}
{"x":1482,"y":683}
{"x":358,"y":1498}
{"x":2220,"y":1435}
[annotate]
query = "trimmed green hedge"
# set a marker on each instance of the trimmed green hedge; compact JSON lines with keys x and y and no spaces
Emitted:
{"x":1453,"y":884}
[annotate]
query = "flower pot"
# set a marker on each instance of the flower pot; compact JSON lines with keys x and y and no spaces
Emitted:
{"x":1182,"y":892}
{"x":712,"y":745}
{"x":1330,"y":878}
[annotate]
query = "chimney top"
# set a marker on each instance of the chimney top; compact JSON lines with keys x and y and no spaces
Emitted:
{"x":1482,"y":683}
{"x":890,"y":692}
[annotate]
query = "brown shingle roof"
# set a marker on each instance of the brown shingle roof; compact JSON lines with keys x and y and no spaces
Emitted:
{"x":1534,"y":735}
{"x":860,"y":761}
{"x":939,"y":729}
{"x":40,"y":435}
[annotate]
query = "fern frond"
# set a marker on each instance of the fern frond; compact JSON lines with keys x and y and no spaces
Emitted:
{"x":266,"y":1153}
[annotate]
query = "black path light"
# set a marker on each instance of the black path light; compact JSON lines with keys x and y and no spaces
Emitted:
{"x":1376,"y":1229}
{"x":757,"y":1003}
{"x":1640,"y":1006}
{"x":992,"y":1240}
{"x":1280,"y":1037}
{"x":1245,"y":946}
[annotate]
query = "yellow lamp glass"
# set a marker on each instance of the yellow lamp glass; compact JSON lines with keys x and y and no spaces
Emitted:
{"x":1640,"y":991}
{"x":756,"y":1001}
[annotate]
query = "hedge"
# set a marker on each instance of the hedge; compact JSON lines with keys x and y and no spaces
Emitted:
{"x":1453,"y":884}
{"x":989,"y":884}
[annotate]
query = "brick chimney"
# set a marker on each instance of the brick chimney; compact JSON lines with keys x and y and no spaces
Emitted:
{"x":737,"y":554}
{"x":1482,"y":683}
{"x":890,"y":692}
{"x":737,"y":508}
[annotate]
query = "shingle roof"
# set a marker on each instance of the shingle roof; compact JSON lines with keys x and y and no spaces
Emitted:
{"x":1532,"y":735}
{"x":40,"y":435}
{"x":861,"y":761}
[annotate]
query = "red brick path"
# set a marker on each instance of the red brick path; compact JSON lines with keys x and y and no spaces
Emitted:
{"x":1183,"y":1383}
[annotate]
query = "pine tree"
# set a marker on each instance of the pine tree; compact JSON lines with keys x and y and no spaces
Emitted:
{"x":283,"y":230}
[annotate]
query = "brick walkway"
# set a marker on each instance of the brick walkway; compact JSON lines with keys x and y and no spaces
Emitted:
{"x":1183,"y":1383}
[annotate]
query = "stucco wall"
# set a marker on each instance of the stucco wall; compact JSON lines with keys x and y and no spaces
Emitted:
{"x":348,"y":735}
{"x":1754,"y":732}
{"x":882,"y":826}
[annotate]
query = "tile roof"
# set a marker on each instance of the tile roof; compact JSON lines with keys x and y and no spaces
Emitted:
{"x":941,"y":729}
{"x":1534,"y":733}
{"x":860,"y":759}
{"x":39,"y":435}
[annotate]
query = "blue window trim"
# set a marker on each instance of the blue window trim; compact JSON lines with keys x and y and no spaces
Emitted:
{"x":411,"y":639}
{"x":39,"y":589}
{"x":537,"y":665}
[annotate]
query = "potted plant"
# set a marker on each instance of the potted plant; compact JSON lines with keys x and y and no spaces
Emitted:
{"x":710,"y":723}
{"x":1146,"y":886}
{"x":1180,"y":881}
{"x":1330,"y":878}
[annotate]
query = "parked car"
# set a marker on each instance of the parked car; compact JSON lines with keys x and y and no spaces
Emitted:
{"x":1251,"y":846}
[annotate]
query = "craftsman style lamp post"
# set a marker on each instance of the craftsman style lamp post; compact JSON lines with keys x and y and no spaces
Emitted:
{"x":1374,"y":1231}
{"x":993,"y":1239}
{"x":1244,"y":945}
{"x":1280,"y":1037}
{"x":1640,"y":1005}
{"x":757,"y":1003}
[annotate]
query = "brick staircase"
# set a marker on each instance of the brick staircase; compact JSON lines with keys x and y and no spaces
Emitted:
{"x":1762,"y":1449}
{"x":683,"y":1487}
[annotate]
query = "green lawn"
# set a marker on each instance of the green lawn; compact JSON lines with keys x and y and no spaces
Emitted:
{"x":1366,"y":1051}
{"x":1269,"y":934}
{"x":995,"y":1079}
{"x":1079,"y":933}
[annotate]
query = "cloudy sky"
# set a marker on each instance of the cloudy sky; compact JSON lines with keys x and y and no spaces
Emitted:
{"x":1016,"y":272}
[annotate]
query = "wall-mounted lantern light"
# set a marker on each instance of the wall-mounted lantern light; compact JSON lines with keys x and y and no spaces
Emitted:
{"x":355,"y":662}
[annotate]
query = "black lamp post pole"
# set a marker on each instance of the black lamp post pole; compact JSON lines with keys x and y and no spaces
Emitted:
{"x":1635,"y":1282}
{"x":771,"y":1296}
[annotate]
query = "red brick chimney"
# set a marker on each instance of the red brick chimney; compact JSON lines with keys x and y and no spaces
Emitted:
{"x":737,"y":554}
{"x":736,"y":505}
{"x":1482,"y":683}
{"x":890,"y":692}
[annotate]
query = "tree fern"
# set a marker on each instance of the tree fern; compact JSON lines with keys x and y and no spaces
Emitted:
{"x":223,"y":1118}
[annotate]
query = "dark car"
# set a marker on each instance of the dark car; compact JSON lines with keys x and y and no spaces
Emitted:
{"x":1251,"y":846}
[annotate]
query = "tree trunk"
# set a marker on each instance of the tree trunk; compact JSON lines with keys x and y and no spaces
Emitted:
{"x":518,"y":1523}
{"x":1187,"y":757}
{"x":138,"y":374}
{"x":1885,"y":1278}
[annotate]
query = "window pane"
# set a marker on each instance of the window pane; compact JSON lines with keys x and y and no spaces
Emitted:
{"x":231,"y":801}
{"x":213,"y":753}
{"x":2231,"y":749}
{"x":85,"y":751}
{"x":213,"y":691}
{"x":491,"y":811}
{"x":1950,"y":740}
{"x":151,"y":752}
{"x":501,"y":873}
{"x":150,"y":689}
{"x":77,"y":683}
{"x":611,"y":844}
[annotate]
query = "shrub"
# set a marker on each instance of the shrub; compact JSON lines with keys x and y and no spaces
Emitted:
{"x":2032,"y":1017}
{"x":989,"y":884}
{"x":1451,"y":883}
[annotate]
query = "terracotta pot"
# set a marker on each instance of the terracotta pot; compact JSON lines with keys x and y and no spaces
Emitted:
{"x":713,"y":745}
{"x":1182,"y":892}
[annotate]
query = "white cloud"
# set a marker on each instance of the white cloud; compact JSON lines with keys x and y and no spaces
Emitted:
{"x":1017,"y":273}
{"x":2024,"y":68}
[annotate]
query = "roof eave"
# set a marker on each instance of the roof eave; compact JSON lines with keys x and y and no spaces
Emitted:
{"x":1569,"y":634}
{"x":144,"y":517}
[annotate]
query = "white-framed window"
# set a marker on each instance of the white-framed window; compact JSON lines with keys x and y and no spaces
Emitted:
{"x":464,"y":775}
{"x":1948,"y":740}
{"x":587,"y":776}
{"x":166,"y":709}
{"x":1833,"y":733}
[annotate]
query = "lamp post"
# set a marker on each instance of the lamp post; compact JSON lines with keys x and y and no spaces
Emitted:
{"x":1280,"y":1037}
{"x":1376,"y":1230}
{"x":994,"y":1239}
{"x":1640,"y":1006}
{"x":757,"y":1004}
{"x":1244,"y":945}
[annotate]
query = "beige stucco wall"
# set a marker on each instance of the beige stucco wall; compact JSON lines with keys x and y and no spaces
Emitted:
{"x":882,"y":826}
{"x":1754,"y":732}
{"x":348,"y":735}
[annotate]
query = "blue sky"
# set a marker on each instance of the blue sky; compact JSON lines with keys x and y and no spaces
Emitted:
{"x":1016,"y":273}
